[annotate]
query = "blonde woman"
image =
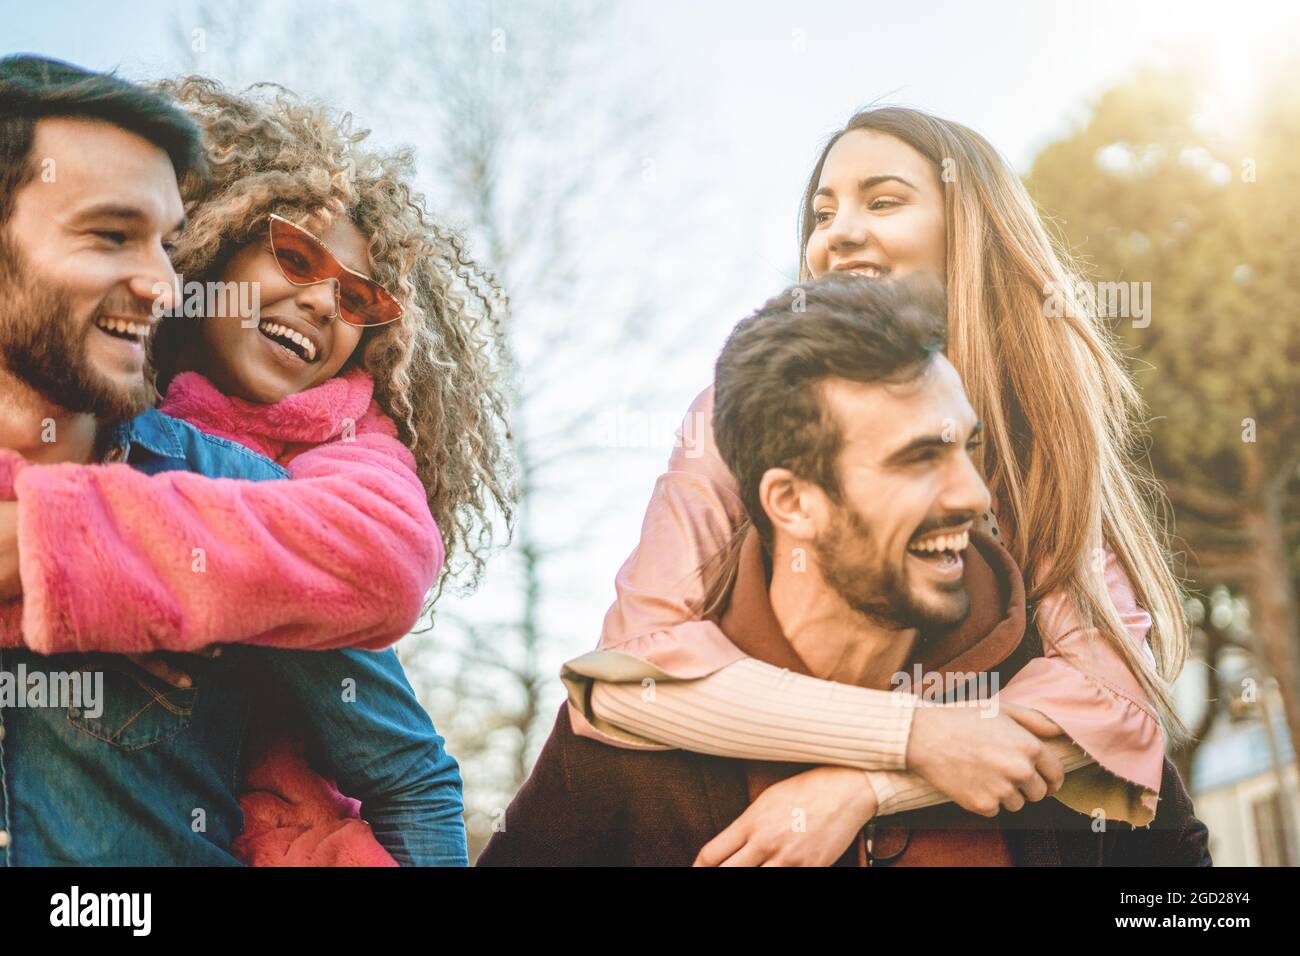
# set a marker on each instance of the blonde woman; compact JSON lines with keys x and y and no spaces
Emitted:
{"x":898,"y":191}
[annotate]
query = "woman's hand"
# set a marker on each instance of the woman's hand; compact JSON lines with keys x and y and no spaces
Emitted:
{"x":986,"y":763}
{"x":809,"y":819}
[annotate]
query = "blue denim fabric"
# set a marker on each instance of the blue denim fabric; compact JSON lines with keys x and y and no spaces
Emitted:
{"x":153,"y":442}
{"x":154,"y":780}
{"x":365,"y":728}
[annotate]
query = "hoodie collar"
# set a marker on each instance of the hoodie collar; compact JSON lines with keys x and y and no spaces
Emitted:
{"x":989,"y":634}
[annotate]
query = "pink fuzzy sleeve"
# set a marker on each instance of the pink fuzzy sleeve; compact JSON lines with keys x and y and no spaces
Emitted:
{"x":341,"y":556}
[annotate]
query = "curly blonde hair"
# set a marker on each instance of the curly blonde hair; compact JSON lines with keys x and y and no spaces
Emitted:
{"x":440,"y":370}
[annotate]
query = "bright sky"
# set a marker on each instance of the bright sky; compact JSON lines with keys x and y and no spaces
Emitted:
{"x":1017,"y":71}
{"x":765,"y":82}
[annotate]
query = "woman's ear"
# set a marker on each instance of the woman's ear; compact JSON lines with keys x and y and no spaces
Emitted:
{"x":795,"y":507}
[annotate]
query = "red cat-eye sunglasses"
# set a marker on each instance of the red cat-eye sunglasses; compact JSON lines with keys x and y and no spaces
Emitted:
{"x":304,"y":259}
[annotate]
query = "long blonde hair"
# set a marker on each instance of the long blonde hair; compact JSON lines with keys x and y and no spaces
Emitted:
{"x":1061,"y":414}
{"x":439,"y":371}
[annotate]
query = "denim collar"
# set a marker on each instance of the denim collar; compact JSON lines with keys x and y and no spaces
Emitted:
{"x":150,"y":429}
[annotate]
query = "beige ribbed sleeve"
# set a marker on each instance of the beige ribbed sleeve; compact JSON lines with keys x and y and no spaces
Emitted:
{"x":753,"y":710}
{"x":901,"y":791}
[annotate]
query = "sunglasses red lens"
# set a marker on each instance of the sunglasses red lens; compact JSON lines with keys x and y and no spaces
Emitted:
{"x":305,"y":260}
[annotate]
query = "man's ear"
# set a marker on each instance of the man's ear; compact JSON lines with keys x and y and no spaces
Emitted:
{"x":795,"y":507}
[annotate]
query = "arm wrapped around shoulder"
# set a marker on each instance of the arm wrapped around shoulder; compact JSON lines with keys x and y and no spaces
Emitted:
{"x":341,"y":556}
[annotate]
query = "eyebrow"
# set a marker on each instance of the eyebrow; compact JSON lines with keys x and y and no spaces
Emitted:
{"x":111,"y":210}
{"x":864,"y":184}
{"x":927,"y":441}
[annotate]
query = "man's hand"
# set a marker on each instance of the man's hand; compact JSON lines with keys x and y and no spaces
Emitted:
{"x":809,"y":819}
{"x":165,"y":671}
{"x":986,"y":763}
{"x":11,"y":584}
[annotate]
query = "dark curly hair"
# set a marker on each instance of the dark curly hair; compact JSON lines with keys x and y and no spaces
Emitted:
{"x":440,"y":371}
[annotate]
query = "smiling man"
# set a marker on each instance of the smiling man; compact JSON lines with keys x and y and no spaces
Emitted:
{"x":850,"y":438}
{"x":89,"y":202}
{"x":91,"y":170}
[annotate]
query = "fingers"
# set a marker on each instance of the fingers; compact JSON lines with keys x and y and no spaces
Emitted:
{"x":1035,"y":721}
{"x":748,"y":855}
{"x":1050,"y":769}
{"x":1034,"y":789}
{"x":722,"y":846}
{"x":162,"y":670}
{"x":1044,"y":777}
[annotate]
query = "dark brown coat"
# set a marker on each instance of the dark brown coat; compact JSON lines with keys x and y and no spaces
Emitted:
{"x":587,"y":803}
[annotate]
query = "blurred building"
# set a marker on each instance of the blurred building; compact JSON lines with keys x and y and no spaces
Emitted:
{"x":1244,"y":786}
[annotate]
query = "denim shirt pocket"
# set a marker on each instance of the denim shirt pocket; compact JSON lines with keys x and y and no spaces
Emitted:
{"x":134,"y":710}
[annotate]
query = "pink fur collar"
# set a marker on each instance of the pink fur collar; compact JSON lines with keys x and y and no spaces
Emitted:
{"x":317,"y":415}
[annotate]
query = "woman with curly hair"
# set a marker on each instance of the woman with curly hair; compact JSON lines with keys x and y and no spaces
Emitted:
{"x":371,"y":373}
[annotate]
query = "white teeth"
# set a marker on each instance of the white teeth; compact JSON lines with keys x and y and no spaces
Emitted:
{"x":943,"y":542}
{"x":135,"y":329}
{"x":276,"y":328}
{"x":305,"y":343}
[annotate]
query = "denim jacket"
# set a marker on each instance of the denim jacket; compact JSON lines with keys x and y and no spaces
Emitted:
{"x":151,"y":775}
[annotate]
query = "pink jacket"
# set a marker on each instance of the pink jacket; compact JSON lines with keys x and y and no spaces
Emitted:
{"x":351,"y":541}
{"x":693,"y":509}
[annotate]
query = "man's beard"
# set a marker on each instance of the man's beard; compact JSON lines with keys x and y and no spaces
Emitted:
{"x":43,"y":348}
{"x":874,"y":588}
